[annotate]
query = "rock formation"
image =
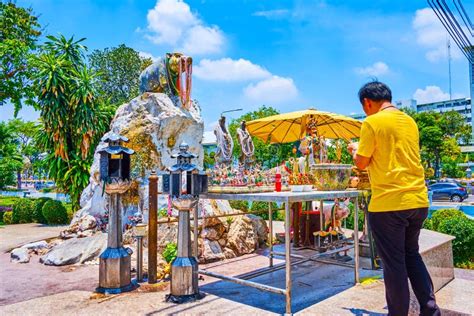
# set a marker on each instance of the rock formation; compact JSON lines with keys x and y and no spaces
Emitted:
{"x":155,"y":124}
{"x":155,"y":127}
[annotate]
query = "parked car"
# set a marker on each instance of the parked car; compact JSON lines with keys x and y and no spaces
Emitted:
{"x":448,"y":191}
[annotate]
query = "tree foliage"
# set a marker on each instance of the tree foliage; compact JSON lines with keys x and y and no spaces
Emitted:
{"x":10,"y":157}
{"x":25,"y":133}
{"x":72,"y":117}
{"x":19,"y":32}
{"x":440,"y":136}
{"x":267,"y":155}
{"x":118,"y":69}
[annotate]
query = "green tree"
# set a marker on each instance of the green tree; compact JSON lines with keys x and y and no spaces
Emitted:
{"x":118,"y":69}
{"x":268,"y":155}
{"x":73,"y":118}
{"x":453,"y":126}
{"x":25,"y":133}
{"x":19,"y":32}
{"x":440,"y":136}
{"x":10,"y":158}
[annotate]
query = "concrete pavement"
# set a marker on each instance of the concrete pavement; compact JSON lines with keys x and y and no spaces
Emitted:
{"x":12,"y":236}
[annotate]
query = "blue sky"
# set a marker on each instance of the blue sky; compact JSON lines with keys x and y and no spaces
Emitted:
{"x":287,"y":54}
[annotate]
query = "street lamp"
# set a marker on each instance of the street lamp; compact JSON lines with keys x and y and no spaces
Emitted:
{"x":184,"y":182}
{"x":140,"y":231}
{"x":115,"y":261}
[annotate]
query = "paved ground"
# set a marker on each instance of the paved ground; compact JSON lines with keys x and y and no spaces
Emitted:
{"x":32,"y":289}
{"x":12,"y":236}
{"x":20,"y":282}
{"x":332,"y":294}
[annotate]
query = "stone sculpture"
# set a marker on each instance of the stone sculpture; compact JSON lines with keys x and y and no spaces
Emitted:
{"x":225,"y":144}
{"x":246,"y":145}
{"x":166,"y":76}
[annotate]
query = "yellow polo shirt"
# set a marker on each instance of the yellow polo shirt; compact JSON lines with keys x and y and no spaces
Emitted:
{"x":390,"y":139}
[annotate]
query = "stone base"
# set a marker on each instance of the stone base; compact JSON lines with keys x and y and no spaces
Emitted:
{"x":437,"y":253}
{"x":180,"y":299}
{"x":130,"y":287}
{"x":114,"y":269}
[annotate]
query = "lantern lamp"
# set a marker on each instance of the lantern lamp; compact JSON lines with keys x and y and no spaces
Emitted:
{"x":184,"y":182}
{"x":115,"y":261}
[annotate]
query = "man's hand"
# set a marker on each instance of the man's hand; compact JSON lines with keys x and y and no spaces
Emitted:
{"x":352,"y":148}
{"x":361,"y":162}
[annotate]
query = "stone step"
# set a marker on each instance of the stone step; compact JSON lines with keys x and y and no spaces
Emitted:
{"x":437,"y":252}
{"x":456,"y":298}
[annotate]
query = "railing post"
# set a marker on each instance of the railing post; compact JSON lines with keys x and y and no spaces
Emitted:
{"x":152,"y":226}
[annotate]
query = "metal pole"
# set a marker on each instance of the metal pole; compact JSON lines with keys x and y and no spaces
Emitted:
{"x":184,"y":236}
{"x":112,"y":240}
{"x":270,"y":232}
{"x":295,"y":207}
{"x":152,"y":226}
{"x":321,"y":215}
{"x":196,"y":223}
{"x":356,"y":240}
{"x":307,"y":242}
{"x":287,"y":257}
{"x":174,"y":220}
{"x":139,"y":258}
{"x":259,"y":286}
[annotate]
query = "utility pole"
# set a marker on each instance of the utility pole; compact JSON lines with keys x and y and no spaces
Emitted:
{"x":449,"y":65}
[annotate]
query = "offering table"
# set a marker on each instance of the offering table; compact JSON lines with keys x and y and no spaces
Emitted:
{"x":287,"y":198}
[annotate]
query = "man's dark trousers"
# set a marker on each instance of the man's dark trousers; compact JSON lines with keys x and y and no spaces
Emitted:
{"x":396,"y":238}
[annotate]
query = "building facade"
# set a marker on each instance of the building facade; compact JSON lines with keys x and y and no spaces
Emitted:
{"x":463,"y":106}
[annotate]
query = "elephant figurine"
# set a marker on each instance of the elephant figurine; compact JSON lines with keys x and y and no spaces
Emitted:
{"x":166,"y":76}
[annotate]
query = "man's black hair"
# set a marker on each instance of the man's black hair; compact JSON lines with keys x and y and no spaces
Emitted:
{"x":376,"y":91}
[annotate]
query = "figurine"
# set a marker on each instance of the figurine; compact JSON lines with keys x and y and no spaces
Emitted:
{"x":246,"y":145}
{"x":166,"y":76}
{"x":354,"y":182}
{"x":225,"y":144}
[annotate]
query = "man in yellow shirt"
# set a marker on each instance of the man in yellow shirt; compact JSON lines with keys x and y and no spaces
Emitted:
{"x":389,"y":149}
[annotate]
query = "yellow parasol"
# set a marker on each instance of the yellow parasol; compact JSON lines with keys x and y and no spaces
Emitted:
{"x":290,"y":127}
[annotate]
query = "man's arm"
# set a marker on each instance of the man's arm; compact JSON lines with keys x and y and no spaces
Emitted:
{"x":361,"y":162}
{"x":362,"y":151}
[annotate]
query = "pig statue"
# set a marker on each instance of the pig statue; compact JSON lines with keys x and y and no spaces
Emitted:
{"x":341,"y":211}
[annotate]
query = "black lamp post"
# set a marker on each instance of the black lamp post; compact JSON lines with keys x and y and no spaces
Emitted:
{"x":115,"y":261}
{"x":184,"y":182}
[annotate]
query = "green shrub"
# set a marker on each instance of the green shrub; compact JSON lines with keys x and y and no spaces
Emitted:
{"x":239,"y":205}
{"x":261,"y":209}
{"x":463,"y":229}
{"x":427,"y":224}
{"x":466,"y":265}
{"x":170,"y":252}
{"x":70,"y":212}
{"x":55,"y":213}
{"x":8,"y":200}
{"x":350,"y":218}
{"x":23,"y":211}
{"x":8,"y":218}
{"x":280,"y":215}
{"x":440,"y":216}
{"x":38,"y":210}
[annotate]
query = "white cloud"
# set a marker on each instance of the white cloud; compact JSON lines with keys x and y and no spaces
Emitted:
{"x":201,"y":40}
{"x":377,"y":69}
{"x":272,"y":14}
{"x":430,"y":94}
{"x":171,"y":22}
{"x":147,"y":55}
{"x":209,"y":137}
{"x":431,"y":35}
{"x":274,"y":89}
{"x":227,"y":69}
